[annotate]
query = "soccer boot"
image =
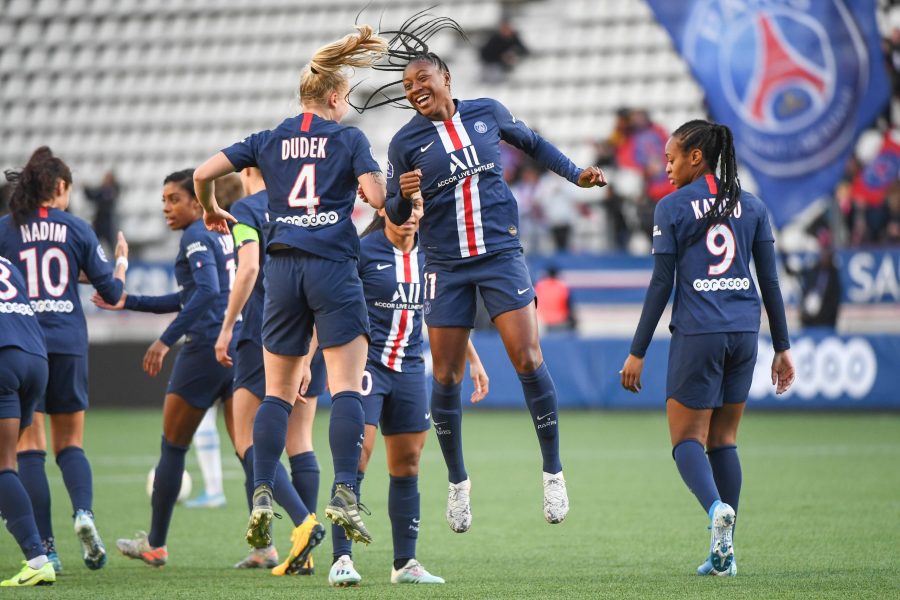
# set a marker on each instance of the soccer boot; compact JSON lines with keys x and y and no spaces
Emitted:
{"x":307,"y":568}
{"x":306,"y":536}
{"x":205,"y":500}
{"x":459,"y":512}
{"x":53,"y":557}
{"x":94,"y":552}
{"x":139,"y":547}
{"x":721,"y":553}
{"x":342,"y":573}
{"x":556,"y":500}
{"x":259,"y":558}
{"x":343,"y":510}
{"x":413,"y":572}
{"x":707,"y":569}
{"x":259,"y":528}
{"x":27,"y":577}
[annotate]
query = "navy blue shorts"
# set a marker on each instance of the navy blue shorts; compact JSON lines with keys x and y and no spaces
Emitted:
{"x":198,"y":377}
{"x":710,"y":369}
{"x":67,"y":387}
{"x":249,"y":372}
{"x":303,"y":289}
{"x":450,"y":287}
{"x":396,"y":401}
{"x":23,"y":381}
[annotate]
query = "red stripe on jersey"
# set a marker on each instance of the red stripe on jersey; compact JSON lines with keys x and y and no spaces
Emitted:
{"x":711,"y":183}
{"x":401,"y":333}
{"x":43,"y":212}
{"x":407,"y":270}
{"x":454,"y":137}
{"x":307,"y":121}
{"x":470,"y":219}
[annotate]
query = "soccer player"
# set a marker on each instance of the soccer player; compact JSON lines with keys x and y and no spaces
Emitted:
{"x":246,"y":302}
{"x":449,"y":153}
{"x":23,"y":379}
{"x":707,"y":231}
{"x":394,"y":394}
{"x":52,"y":249}
{"x":204,"y":268}
{"x":311,"y":165}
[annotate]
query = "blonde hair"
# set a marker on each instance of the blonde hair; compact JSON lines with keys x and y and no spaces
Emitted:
{"x":325,"y":73}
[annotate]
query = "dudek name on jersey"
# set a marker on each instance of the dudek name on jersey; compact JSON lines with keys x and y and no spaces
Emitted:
{"x":303,"y":147}
{"x":43,"y":231}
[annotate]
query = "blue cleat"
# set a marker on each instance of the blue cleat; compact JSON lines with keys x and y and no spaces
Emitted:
{"x":707,"y":569}
{"x":205,"y":500}
{"x":721,"y":547}
{"x":53,"y":557}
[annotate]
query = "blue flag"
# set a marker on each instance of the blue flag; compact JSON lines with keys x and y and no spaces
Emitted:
{"x":795,"y":85}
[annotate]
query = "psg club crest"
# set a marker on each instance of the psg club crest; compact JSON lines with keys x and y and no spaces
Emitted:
{"x":787,"y":76}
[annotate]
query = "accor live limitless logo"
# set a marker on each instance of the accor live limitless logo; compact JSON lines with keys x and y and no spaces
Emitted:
{"x":464,"y":163}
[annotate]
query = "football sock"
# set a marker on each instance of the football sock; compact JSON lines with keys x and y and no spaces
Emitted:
{"x":287,"y":496}
{"x":446,"y":414}
{"x":269,"y":434}
{"x":166,"y":487}
{"x":305,"y":477}
{"x":695,"y":471}
{"x":34,"y":479}
{"x":340,"y":543}
{"x":403,"y":510}
{"x":247,"y":464}
{"x":726,"y":468}
{"x":345,"y":435}
{"x":206,"y":443}
{"x":15,"y":506}
{"x":76,"y":473}
{"x":540,"y":396}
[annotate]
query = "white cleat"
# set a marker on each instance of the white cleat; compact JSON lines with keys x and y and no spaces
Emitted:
{"x":413,"y":572}
{"x":94,"y":552}
{"x":459,"y":512}
{"x":707,"y":569}
{"x":721,"y":547}
{"x":342,"y":573}
{"x":556,"y":500}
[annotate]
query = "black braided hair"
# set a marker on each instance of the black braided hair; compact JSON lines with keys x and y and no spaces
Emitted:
{"x":717,"y":145}
{"x":377,"y":224}
{"x":408,"y":44}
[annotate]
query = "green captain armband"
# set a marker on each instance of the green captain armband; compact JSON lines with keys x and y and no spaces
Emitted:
{"x":244,"y":233}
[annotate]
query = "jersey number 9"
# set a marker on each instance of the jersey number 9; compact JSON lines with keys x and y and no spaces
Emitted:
{"x":720,"y":242}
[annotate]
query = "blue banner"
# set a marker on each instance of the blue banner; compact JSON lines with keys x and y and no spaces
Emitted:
{"x":795,"y":81}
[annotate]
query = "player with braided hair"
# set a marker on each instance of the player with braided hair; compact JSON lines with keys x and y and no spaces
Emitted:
{"x":707,"y":231}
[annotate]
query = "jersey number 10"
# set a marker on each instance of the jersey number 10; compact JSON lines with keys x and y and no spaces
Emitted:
{"x":720,"y":242}
{"x":54,"y":288}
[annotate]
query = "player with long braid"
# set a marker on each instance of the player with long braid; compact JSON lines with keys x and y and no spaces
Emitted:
{"x":707,"y":231}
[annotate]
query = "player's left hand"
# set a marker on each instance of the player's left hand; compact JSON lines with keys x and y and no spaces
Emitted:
{"x":98,"y":300}
{"x":222,"y":344}
{"x":782,"y":371}
{"x":590,"y":177}
{"x":153,"y":359}
{"x":218,"y":220}
{"x":305,"y":378}
{"x":480,"y":381}
{"x":631,"y":373}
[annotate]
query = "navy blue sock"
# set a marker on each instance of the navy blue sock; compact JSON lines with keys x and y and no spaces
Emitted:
{"x":305,"y":477}
{"x":726,"y":468}
{"x":540,"y":396}
{"x":76,"y":472}
{"x":15,"y":506}
{"x":345,"y":435}
{"x":34,"y":479}
{"x":695,"y":471}
{"x":340,"y":543}
{"x":269,"y":434}
{"x":446,"y":414}
{"x":287,"y":496}
{"x":166,"y":486}
{"x":247,"y":465}
{"x":403,"y":509}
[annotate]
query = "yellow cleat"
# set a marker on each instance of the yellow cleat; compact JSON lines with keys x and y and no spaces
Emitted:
{"x":306,"y":536}
{"x":27,"y":577}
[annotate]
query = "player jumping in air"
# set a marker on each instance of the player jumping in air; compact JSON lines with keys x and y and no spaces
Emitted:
{"x":707,"y":231}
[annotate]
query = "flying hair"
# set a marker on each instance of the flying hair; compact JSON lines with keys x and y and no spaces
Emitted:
{"x":408,"y":44}
{"x":35,"y":183}
{"x":326,"y":71}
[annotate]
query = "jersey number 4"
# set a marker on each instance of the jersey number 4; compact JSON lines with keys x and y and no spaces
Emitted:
{"x":305,"y":185}
{"x":720,"y":242}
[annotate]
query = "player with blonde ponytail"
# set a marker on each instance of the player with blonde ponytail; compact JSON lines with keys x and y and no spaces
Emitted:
{"x":312,"y":166}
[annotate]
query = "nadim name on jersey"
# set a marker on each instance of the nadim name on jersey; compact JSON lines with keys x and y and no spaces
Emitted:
{"x":44,"y":231}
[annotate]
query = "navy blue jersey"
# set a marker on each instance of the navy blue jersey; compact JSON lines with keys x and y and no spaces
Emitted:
{"x":469,"y":209}
{"x":51,"y":249}
{"x":251,"y":211}
{"x":310,"y":166}
{"x":392,"y":282}
{"x":18,"y":325}
{"x":714,"y":291}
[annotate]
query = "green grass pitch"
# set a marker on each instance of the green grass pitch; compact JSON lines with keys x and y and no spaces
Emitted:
{"x":820,"y":516}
